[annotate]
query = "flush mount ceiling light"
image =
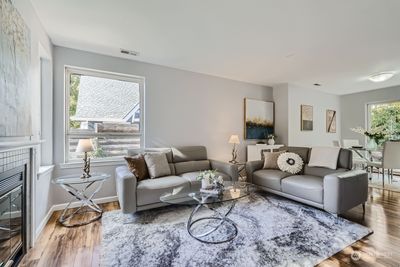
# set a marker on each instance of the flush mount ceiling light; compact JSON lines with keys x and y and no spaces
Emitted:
{"x":381,"y":76}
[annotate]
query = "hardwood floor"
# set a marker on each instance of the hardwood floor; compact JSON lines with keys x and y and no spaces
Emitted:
{"x":60,"y":246}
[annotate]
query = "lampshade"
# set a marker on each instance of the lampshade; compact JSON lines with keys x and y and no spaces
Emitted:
{"x":234,"y":139}
{"x":84,"y":145}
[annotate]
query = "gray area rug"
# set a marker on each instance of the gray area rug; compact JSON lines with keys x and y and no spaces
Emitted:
{"x":273,"y":231}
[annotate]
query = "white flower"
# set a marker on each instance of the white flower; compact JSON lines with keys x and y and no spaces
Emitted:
{"x":220,"y":179}
{"x":290,"y":162}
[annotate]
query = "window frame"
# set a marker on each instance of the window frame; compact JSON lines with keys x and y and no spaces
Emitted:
{"x":68,"y":71}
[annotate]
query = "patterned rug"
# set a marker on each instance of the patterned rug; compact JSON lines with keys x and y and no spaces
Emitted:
{"x":273,"y":231}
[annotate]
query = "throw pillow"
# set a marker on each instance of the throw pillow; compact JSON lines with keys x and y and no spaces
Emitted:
{"x":271,"y":159}
{"x":290,"y":162}
{"x":137,"y":165}
{"x":326,"y":157}
{"x":157,"y":164}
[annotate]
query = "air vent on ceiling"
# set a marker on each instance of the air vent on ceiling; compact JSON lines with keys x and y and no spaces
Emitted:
{"x":129,"y":52}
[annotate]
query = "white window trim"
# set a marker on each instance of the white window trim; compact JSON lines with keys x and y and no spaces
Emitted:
{"x":68,"y":70}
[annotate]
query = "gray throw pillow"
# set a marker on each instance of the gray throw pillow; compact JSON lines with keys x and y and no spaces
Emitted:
{"x":157,"y":164}
{"x":271,"y":159}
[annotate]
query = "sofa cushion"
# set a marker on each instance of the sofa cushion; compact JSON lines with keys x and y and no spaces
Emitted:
{"x":321,"y":172}
{"x":137,"y":165}
{"x":271,"y":159}
{"x":326,"y":157}
{"x":191,"y":177}
{"x":149,"y":191}
{"x":157,"y":164}
{"x":269,"y":178}
{"x":304,"y":186}
{"x":345,"y":159}
{"x":137,"y":151}
{"x":189,"y":153}
{"x":192,"y":166}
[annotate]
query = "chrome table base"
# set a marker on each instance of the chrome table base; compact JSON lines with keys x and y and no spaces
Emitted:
{"x":221,"y":219}
{"x":86,"y":201}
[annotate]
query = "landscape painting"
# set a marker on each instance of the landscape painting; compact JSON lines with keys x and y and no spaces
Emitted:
{"x":331,"y":121}
{"x":259,"y":118}
{"x":15,"y":55}
{"x":306,"y":118}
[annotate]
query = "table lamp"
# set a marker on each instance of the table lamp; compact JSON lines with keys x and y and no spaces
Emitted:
{"x":234,"y":139}
{"x":85,"y":145}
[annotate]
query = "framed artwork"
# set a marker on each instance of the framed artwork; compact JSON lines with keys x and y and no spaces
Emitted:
{"x":258,"y":118}
{"x":330,"y":121}
{"x":15,"y":54}
{"x":306,"y":118}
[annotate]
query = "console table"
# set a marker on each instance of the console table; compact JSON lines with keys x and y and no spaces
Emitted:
{"x":254,"y":151}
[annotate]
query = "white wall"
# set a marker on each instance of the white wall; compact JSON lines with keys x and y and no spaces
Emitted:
{"x":288,"y":99}
{"x":354,"y":108}
{"x":181,"y":107}
{"x":321,"y":102}
{"x":41,"y":46}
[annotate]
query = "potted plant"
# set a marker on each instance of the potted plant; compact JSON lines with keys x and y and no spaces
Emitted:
{"x":210,"y":180}
{"x":375,"y":136}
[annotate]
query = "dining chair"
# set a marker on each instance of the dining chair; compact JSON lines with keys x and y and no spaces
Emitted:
{"x":336,"y":143}
{"x":390,"y":160}
{"x":348,"y":143}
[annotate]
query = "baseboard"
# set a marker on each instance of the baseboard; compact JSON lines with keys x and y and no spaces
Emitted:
{"x":77,"y":203}
{"x":42,"y":224}
{"x":54,"y":208}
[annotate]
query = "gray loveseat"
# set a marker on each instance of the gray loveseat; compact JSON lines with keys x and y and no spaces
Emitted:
{"x":185,"y":163}
{"x":335,"y":191}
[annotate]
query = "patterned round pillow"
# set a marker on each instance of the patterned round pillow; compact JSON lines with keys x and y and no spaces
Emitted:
{"x":290,"y":162}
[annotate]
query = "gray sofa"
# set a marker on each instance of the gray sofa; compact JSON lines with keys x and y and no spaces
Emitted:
{"x":335,"y":191}
{"x":185,"y":163}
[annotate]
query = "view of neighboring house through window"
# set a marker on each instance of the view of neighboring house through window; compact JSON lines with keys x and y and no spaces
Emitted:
{"x":386,"y":118}
{"x":106,"y":108}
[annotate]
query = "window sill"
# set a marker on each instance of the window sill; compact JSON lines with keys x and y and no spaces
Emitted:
{"x":45,"y":170}
{"x":93,"y":163}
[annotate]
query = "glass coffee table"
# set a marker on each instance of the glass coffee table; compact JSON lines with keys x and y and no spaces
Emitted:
{"x":232,"y":192}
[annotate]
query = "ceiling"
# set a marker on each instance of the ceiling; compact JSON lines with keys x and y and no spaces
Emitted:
{"x":334,"y":43}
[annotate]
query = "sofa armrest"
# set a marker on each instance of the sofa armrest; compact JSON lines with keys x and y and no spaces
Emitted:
{"x":225,"y":167}
{"x":251,"y":167}
{"x":126,"y":189}
{"x":343,"y":191}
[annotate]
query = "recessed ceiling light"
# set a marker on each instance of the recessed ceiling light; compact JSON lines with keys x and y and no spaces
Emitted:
{"x":381,"y":76}
{"x":129,"y":52}
{"x":317,"y":84}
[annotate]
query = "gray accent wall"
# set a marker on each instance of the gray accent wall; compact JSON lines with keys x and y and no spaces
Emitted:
{"x":181,"y":108}
{"x":354,"y":107}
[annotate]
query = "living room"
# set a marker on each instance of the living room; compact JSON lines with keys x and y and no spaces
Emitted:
{"x":155,"y":133}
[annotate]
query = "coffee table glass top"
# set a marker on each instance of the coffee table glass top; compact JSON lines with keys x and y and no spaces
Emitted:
{"x":232,"y":191}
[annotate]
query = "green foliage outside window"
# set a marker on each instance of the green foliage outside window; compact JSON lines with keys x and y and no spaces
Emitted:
{"x":73,"y":99}
{"x":387,"y":116}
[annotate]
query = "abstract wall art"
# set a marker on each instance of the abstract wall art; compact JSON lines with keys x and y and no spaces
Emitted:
{"x":307,"y":120}
{"x":15,"y":56}
{"x":259,"y":118}
{"x":330,"y":121}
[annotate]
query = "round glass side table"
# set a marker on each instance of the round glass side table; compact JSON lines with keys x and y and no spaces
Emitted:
{"x":80,"y":189}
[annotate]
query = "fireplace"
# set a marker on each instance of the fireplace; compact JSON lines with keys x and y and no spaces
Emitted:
{"x":13,"y":203}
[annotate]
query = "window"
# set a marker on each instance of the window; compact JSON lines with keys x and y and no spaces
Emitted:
{"x":385,"y":117}
{"x":105,"y":107}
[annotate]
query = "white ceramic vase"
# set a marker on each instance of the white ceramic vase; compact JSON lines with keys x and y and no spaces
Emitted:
{"x":205,"y":183}
{"x":271,"y":141}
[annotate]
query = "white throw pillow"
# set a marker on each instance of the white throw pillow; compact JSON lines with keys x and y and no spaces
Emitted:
{"x":290,"y":162}
{"x":325,"y":157}
{"x":157,"y":164}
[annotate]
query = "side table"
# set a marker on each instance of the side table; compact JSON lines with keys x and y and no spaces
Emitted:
{"x":78,"y":188}
{"x":241,"y":167}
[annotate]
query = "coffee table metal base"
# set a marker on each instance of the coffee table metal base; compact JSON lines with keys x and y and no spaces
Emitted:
{"x":220,"y":218}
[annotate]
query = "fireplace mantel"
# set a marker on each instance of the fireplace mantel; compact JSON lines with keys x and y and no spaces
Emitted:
{"x":11,"y":145}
